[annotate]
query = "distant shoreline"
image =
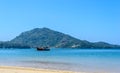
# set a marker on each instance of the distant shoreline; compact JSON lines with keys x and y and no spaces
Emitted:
{"x":67,"y":48}
{"x":45,"y":37}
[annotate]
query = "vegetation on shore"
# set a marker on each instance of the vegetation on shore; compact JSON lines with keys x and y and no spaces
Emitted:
{"x":40,"y":37}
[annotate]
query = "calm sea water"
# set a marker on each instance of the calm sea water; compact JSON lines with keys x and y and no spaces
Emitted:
{"x":91,"y":61}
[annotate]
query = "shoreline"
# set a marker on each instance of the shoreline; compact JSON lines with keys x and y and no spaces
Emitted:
{"x":14,"y":69}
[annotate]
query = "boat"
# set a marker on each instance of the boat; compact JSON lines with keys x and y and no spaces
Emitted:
{"x":43,"y":48}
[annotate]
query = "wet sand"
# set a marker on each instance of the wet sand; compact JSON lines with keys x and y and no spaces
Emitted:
{"x":7,"y":69}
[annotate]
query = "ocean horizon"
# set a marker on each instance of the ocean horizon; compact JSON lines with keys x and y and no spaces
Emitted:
{"x":79,"y":60}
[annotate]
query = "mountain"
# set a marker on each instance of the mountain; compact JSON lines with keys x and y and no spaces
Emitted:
{"x":46,"y":37}
{"x":41,"y":37}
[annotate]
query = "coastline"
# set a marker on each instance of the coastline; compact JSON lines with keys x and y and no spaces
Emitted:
{"x":14,"y":69}
{"x":58,"y":61}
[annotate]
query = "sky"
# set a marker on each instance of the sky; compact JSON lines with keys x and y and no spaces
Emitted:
{"x":92,"y":20}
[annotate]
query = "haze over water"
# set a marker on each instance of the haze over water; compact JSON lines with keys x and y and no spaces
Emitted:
{"x":107,"y":61}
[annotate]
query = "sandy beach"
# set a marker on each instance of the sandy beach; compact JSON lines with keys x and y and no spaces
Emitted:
{"x":5,"y":69}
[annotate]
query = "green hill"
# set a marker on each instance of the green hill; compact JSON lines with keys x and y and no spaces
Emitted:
{"x":40,"y":37}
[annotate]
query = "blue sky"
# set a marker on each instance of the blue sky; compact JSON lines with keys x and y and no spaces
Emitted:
{"x":92,"y":20}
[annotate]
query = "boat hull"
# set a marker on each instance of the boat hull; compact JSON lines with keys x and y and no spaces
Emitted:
{"x":43,"y":49}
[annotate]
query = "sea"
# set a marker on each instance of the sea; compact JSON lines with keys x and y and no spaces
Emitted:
{"x":78,"y":60}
